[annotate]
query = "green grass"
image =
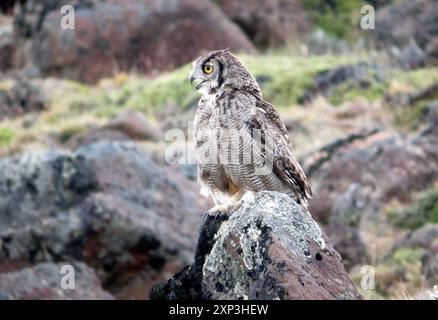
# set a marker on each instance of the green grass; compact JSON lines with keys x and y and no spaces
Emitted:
{"x":283,"y":78}
{"x":6,"y":137}
{"x":423,"y":210}
{"x":407,"y":255}
{"x":286,"y":78}
{"x":338,"y":18}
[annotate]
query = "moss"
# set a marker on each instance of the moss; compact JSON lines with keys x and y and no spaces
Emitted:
{"x":423,"y":210}
{"x":6,"y":137}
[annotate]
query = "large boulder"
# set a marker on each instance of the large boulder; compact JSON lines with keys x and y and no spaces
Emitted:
{"x":43,"y":282}
{"x":264,"y":248}
{"x":406,"y":23}
{"x":132,"y":35}
{"x":269,"y":23}
{"x":107,"y":204}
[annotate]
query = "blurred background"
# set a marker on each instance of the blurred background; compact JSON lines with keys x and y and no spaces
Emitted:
{"x":84,"y":113}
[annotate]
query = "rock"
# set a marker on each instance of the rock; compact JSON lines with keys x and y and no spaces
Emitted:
{"x":7,"y":6}
{"x":405,"y":22}
{"x":425,"y":237}
{"x":348,"y":242}
{"x":265,"y":248}
{"x":110,"y":36}
{"x":7,"y":51}
{"x":136,"y":125}
{"x":95,"y":135}
{"x":43,"y":282}
{"x":23,"y":96}
{"x":430,"y":268}
{"x":383,"y":166}
{"x":269,"y":23}
{"x":431,"y":52}
{"x":360,"y":75}
{"x":107,"y":204}
{"x":409,"y":57}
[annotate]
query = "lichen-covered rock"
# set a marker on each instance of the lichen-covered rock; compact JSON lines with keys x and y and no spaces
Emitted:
{"x":267,"y":249}
{"x":107,"y":204}
{"x":43,"y":282}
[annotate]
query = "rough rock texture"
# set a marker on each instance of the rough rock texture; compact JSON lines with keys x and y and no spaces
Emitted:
{"x":266,"y":249}
{"x":23,"y":96}
{"x":404,"y":22}
{"x":360,"y":176}
{"x":107,"y":204}
{"x":112,"y":36}
{"x":43,"y":282}
{"x":268,"y":23}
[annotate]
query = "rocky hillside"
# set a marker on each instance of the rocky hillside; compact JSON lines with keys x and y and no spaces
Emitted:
{"x":84,"y":147}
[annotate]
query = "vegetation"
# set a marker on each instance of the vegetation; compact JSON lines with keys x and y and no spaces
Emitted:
{"x":6,"y":137}
{"x":337,"y":17}
{"x":423,"y":210}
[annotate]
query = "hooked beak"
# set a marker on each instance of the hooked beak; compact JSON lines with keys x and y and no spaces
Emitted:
{"x":196,"y":82}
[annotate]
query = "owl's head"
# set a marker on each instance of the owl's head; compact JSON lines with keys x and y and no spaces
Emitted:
{"x":218,"y":70}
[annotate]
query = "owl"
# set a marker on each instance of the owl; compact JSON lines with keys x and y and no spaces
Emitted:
{"x":242,"y":145}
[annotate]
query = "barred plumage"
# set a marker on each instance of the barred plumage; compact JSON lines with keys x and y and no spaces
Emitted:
{"x":232,"y":118}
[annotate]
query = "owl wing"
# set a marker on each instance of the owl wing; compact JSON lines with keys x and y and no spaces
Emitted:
{"x":285,"y":166}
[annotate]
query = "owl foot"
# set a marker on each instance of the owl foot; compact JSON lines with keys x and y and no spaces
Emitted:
{"x":217,"y":211}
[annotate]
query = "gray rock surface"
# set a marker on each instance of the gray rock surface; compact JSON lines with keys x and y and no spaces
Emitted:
{"x":265,"y":248}
{"x":107,"y":204}
{"x":43,"y":282}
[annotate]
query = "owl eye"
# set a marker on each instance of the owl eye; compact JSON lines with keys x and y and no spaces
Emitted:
{"x":207,"y":69}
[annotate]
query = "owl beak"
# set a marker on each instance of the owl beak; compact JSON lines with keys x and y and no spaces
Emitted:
{"x":192,"y":79}
{"x":197,"y":83}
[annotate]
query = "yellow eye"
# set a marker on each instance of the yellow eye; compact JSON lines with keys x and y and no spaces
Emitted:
{"x":207,"y":69}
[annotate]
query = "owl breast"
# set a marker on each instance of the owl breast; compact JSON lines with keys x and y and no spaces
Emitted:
{"x":229,"y":159}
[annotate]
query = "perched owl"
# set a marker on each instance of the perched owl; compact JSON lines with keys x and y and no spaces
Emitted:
{"x":237,"y":134}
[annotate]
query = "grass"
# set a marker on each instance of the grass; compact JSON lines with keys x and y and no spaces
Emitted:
{"x":338,"y":18}
{"x":6,"y":137}
{"x":423,"y":210}
{"x":283,"y":78}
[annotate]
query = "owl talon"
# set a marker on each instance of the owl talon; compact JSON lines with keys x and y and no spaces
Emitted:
{"x":217,"y":211}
